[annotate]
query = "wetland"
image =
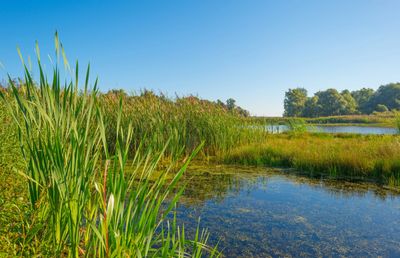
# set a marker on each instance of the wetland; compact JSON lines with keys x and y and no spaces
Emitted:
{"x":262,"y":212}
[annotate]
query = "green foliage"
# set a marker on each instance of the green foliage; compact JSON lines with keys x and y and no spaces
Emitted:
{"x":385,"y":119}
{"x":388,"y":95}
{"x":295,"y":100}
{"x":230,"y":104}
{"x":312,"y":107}
{"x":332,"y":103}
{"x":350,"y":104}
{"x":398,"y":122}
{"x":363,"y":98}
{"x":297,"y":125}
{"x":233,"y":108}
{"x":13,"y":198}
{"x":83,"y":203}
{"x":381,"y":108}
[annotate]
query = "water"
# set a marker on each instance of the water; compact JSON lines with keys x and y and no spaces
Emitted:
{"x":338,"y":129}
{"x":264,"y":212}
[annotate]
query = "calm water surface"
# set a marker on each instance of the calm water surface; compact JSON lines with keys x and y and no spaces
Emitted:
{"x":265,"y":212}
{"x":339,"y":129}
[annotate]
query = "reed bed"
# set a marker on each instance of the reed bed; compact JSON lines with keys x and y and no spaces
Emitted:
{"x":82,"y":201}
{"x":184,"y":121}
{"x":341,"y":155}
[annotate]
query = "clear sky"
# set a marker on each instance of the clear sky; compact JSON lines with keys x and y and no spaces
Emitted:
{"x":252,"y":51}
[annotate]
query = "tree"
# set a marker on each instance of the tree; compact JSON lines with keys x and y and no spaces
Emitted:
{"x":331,"y":102}
{"x":363,"y":98}
{"x":350,"y":106}
{"x":231,"y":104}
{"x":220,"y":103}
{"x":295,"y":100}
{"x":311,"y":107}
{"x":381,"y":108}
{"x":388,"y":95}
{"x":242,"y":112}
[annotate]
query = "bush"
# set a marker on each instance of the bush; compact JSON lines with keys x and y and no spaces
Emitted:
{"x":381,"y":108}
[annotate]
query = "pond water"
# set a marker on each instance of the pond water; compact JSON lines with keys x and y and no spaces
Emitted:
{"x":338,"y":129}
{"x":266,"y":212}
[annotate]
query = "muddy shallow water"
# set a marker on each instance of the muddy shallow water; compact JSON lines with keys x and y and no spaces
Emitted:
{"x":255,"y":212}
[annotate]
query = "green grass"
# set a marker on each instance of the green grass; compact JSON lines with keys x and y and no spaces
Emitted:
{"x":345,"y":156}
{"x":80,"y":201}
{"x":384,"y":119}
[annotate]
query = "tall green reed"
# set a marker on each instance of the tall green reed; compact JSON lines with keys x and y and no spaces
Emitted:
{"x":83,"y":201}
{"x":185,"y":121}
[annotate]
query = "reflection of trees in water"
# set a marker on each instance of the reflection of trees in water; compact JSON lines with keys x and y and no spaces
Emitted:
{"x":204,"y":183}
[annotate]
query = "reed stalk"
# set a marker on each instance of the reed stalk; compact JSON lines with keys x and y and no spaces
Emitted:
{"x":77,"y":211}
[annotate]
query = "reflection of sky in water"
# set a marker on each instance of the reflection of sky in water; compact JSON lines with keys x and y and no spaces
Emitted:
{"x":280,"y":214}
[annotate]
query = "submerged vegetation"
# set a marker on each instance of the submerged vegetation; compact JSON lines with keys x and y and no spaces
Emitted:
{"x":340,"y":155}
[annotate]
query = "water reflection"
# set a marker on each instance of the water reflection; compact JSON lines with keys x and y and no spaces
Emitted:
{"x":264,"y":212}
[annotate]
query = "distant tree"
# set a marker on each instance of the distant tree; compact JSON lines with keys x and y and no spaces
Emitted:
{"x":117,"y":92}
{"x":242,"y":112}
{"x":381,"y":108}
{"x":220,"y":103}
{"x":350,"y":106}
{"x":231,"y":104}
{"x":331,"y":102}
{"x":311,"y":107}
{"x":363,"y":98}
{"x":388,"y":95}
{"x":295,"y":100}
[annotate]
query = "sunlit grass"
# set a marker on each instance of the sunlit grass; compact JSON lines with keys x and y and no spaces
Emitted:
{"x":184,"y":121}
{"x":352,"y":156}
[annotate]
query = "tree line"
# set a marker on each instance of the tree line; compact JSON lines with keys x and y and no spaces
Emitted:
{"x":331,"y":102}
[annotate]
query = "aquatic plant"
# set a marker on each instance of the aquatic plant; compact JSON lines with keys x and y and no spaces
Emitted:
{"x":184,"y":121}
{"x":82,"y":201}
{"x":398,"y":122}
{"x":297,"y":125}
{"x":341,"y":155}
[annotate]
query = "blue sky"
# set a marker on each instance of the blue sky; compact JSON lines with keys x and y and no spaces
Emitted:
{"x":250,"y":50}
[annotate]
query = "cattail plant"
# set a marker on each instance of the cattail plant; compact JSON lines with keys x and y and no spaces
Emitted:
{"x":83,"y":201}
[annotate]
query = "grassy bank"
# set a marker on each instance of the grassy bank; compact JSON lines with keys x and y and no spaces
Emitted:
{"x":350,"y":156}
{"x":384,"y":119}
